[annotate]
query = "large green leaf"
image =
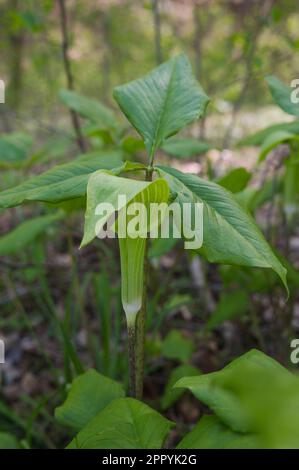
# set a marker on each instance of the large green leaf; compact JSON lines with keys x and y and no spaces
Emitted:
{"x":89,"y":394}
{"x":124,"y":424}
{"x":89,"y":108}
{"x":253,"y":394}
{"x":26,"y":232}
{"x":282,"y":95}
{"x":162,"y":102}
{"x":62,"y":182}
{"x":230,"y":234}
{"x":185,"y":148}
{"x":210,"y":433}
{"x":243,"y":393}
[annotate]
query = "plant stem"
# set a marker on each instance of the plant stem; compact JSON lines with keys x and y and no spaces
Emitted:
{"x":141,"y":320}
{"x":132,"y":358}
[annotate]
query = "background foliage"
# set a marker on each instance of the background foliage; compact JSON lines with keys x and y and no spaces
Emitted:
{"x":61,"y":310}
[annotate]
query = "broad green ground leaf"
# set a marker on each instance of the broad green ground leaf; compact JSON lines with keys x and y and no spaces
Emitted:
{"x":230,"y":234}
{"x":281,"y":94}
{"x":281,"y":428}
{"x":89,"y":394}
{"x":63,"y":182}
{"x":210,"y":433}
{"x":124,"y":424}
{"x":242,"y":394}
{"x":254,"y":394}
{"x":235,"y":180}
{"x":185,"y":148}
{"x":176,"y":346}
{"x":171,"y":395}
{"x":89,"y":108}
{"x":230,"y":306}
{"x":161,"y":103}
{"x":257,"y":139}
{"x":275,"y":139}
{"x":8,"y":441}
{"x":26,"y":232}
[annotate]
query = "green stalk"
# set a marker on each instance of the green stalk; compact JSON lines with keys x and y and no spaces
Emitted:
{"x":134,"y":268}
{"x":134,"y":273}
{"x":141,"y":317}
{"x":131,"y":328}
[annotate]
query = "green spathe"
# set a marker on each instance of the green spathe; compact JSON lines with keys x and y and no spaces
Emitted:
{"x":104,"y":187}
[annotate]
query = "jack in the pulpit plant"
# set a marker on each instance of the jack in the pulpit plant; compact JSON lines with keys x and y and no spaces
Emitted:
{"x":158,"y":106}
